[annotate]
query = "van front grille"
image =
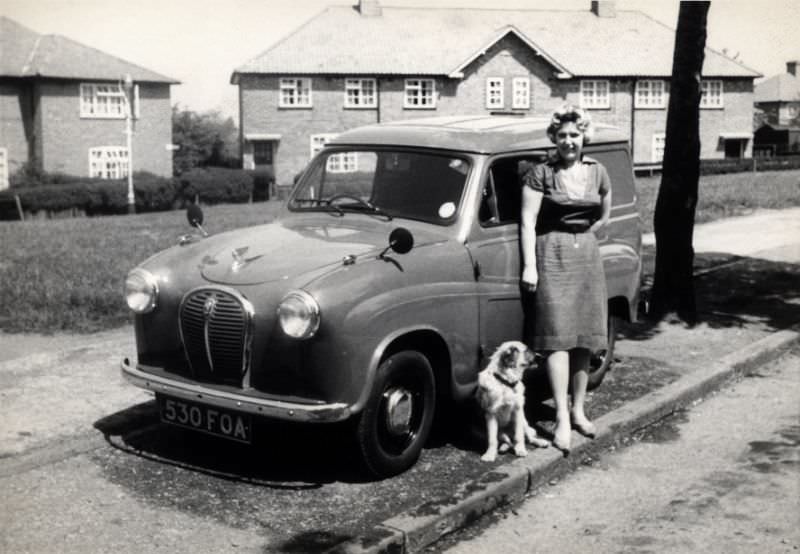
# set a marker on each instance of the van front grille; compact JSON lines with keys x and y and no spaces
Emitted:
{"x":215,"y":327}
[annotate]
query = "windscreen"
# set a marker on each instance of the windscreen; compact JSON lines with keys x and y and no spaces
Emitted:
{"x":402,"y":184}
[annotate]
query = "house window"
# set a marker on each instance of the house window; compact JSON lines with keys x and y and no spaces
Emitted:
{"x":650,"y":94}
{"x":102,"y":100}
{"x":3,"y":168}
{"x":108,"y":162}
{"x":494,"y":92}
{"x":295,"y":93}
{"x":521,"y":93}
{"x":420,"y":93}
{"x":262,"y":152}
{"x":337,"y":163}
{"x":595,"y":94}
{"x":360,"y":93}
{"x":659,"y":140}
{"x":711,"y":94}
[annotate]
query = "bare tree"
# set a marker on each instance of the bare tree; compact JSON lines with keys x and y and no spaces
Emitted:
{"x":673,"y":286}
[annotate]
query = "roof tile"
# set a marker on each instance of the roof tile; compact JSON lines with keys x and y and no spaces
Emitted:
{"x":25,"y":53}
{"x":436,"y":41}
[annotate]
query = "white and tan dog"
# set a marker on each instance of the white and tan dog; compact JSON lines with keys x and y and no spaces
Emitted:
{"x":501,"y":395}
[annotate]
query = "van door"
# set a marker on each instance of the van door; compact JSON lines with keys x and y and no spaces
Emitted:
{"x":494,"y":248}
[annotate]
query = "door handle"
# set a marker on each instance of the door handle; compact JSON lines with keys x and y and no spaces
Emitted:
{"x":476,"y":269}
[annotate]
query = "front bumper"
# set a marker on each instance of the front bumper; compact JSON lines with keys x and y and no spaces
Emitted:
{"x":253,"y":402}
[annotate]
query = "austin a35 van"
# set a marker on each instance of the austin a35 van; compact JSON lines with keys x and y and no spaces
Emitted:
{"x":377,"y":294}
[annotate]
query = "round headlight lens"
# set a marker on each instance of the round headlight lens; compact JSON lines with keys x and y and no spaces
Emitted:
{"x":141,"y":291}
{"x":298,"y":313}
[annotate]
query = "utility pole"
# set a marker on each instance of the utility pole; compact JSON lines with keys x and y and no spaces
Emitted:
{"x":128,"y":86}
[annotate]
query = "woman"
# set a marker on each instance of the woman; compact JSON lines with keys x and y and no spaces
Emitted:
{"x":565,"y":201}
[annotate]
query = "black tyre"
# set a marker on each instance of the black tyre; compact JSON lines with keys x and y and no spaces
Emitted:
{"x":600,"y":362}
{"x":396,"y":421}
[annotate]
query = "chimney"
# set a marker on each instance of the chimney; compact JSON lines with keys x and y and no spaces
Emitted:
{"x":791,"y":67}
{"x":604,"y":8}
{"x":369,"y":8}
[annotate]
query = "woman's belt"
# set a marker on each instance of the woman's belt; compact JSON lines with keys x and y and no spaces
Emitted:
{"x":564,"y":227}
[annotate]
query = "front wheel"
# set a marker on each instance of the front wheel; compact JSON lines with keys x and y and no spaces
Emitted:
{"x":396,"y":421}
{"x":600,"y":362}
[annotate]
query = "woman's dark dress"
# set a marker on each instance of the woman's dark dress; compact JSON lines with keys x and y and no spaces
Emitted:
{"x":570,"y":307}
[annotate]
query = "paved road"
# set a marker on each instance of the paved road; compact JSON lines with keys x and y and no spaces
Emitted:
{"x":721,"y":478}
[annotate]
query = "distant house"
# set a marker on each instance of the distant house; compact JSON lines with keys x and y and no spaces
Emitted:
{"x":350,"y":66}
{"x":778,"y":98}
{"x":62,"y":108}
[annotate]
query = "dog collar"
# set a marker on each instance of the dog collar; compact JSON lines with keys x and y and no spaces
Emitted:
{"x":506,"y":382}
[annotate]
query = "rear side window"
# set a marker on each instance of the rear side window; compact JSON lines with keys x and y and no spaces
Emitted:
{"x":618,"y":165}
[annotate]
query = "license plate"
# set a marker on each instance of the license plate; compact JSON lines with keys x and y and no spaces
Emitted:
{"x":208,"y":419}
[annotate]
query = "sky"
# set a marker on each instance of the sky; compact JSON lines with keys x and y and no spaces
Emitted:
{"x":201,"y":42}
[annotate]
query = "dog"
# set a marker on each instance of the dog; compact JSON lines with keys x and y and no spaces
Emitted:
{"x":501,"y":396}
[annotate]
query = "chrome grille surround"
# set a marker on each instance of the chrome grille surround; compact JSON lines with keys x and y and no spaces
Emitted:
{"x":216,"y":330}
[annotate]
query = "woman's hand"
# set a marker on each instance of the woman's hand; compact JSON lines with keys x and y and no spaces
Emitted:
{"x":599,"y":226}
{"x":530,"y":279}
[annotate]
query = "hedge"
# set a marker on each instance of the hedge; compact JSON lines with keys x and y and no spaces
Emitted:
{"x":152,"y":193}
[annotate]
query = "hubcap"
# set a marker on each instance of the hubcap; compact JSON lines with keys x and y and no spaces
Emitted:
{"x":399,"y":408}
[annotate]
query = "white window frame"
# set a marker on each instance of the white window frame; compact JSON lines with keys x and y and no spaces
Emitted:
{"x":711,"y":98}
{"x":294,"y":92}
{"x":659,"y":143}
{"x":419,"y":94}
{"x":521,"y":93}
{"x":4,"y":184}
{"x":102,"y":101}
{"x":592,"y":95}
{"x":360,"y":93}
{"x":650,"y":93}
{"x":495,"y":93}
{"x":108,"y":162}
{"x":346,"y":162}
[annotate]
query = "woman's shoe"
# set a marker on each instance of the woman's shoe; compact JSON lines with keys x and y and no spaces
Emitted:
{"x":562,"y":437}
{"x":584,"y":427}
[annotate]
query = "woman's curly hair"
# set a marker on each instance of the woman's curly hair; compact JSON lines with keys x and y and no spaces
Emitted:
{"x":570,"y":114}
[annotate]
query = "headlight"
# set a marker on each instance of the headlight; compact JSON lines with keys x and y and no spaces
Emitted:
{"x":298,"y":313}
{"x":141,"y":291}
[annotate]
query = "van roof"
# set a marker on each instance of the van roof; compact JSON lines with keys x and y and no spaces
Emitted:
{"x":485,"y":134}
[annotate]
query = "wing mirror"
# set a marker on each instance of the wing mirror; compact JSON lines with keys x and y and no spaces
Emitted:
{"x":401,"y":241}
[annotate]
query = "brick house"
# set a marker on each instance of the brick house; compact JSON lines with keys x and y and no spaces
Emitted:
{"x":778,"y":98}
{"x":63,"y":108}
{"x":368,"y":63}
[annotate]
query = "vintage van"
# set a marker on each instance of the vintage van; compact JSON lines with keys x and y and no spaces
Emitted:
{"x":390,"y":275}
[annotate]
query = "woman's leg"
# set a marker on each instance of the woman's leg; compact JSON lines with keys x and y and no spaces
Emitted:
{"x":579,"y":368}
{"x":558,"y":371}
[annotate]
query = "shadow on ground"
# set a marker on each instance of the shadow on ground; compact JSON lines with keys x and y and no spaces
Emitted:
{"x":739,"y":291}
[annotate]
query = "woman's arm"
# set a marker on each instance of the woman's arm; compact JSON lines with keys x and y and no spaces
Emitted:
{"x":531,"y":202}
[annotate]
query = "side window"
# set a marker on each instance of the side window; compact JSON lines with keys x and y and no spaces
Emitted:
{"x":618,"y":164}
{"x":502,"y":190}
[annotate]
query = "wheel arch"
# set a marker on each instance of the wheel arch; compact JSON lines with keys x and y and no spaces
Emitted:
{"x":619,"y":306}
{"x":430,"y":344}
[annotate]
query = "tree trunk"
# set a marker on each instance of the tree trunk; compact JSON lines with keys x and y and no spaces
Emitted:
{"x":673,"y":285}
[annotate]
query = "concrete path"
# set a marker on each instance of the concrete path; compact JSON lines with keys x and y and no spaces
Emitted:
{"x":751,"y":235}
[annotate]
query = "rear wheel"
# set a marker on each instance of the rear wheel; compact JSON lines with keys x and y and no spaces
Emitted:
{"x":396,"y":421}
{"x":600,"y":362}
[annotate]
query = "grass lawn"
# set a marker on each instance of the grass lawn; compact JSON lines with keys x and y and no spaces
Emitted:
{"x":68,"y":274}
